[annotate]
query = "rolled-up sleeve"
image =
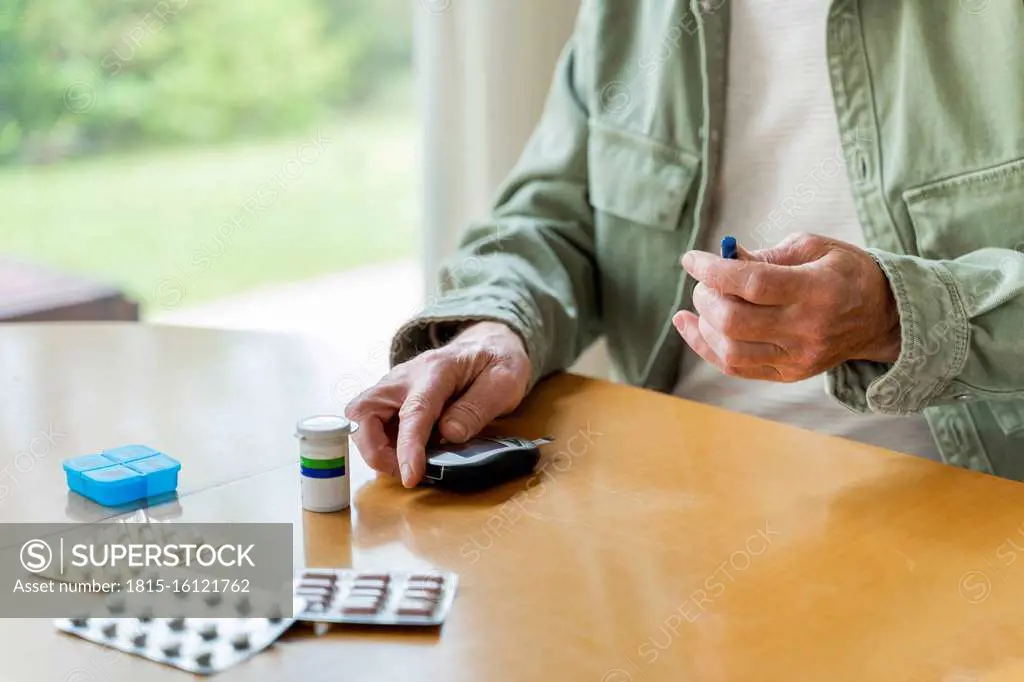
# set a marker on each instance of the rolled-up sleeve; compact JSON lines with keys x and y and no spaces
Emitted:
{"x":531,"y":265}
{"x":962,"y":326}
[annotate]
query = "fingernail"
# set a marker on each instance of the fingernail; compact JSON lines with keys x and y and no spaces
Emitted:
{"x":406,"y":472}
{"x":457,"y":429}
{"x":687,"y":259}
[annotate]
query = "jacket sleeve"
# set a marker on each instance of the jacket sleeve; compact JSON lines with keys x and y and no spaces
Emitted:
{"x":531,"y":264}
{"x":962,"y":323}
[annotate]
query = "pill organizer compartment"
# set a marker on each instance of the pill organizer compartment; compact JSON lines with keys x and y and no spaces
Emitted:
{"x":122,"y":475}
{"x":129,"y":453}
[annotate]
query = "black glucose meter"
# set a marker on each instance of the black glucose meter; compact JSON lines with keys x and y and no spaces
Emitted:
{"x":480,"y":463}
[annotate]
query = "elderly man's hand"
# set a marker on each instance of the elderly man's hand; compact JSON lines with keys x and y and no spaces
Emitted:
{"x":478,"y":376}
{"x":790,"y":312}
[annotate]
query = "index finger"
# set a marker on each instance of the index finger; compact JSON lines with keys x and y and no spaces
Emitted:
{"x":753,"y":281}
{"x":416,"y":419}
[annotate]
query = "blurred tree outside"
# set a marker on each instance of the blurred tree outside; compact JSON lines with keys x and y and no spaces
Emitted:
{"x":79,"y":78}
{"x":132,"y":131}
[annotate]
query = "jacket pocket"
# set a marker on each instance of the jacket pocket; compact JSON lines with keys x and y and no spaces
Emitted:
{"x":641,"y":191}
{"x":983,"y":208}
{"x":638,"y":180}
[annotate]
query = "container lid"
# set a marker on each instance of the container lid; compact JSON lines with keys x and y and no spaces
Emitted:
{"x":324,"y":427}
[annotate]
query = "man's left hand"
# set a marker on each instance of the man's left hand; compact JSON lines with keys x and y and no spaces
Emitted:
{"x":790,"y":312}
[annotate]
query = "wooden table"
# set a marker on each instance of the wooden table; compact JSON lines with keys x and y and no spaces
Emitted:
{"x":664,"y":540}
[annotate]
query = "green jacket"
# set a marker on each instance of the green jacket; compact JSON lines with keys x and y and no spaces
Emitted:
{"x":614,"y":186}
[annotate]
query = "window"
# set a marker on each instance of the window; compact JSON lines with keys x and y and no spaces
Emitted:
{"x":200,"y":153}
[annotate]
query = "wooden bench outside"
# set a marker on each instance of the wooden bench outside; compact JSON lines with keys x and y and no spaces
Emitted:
{"x":32,"y":293}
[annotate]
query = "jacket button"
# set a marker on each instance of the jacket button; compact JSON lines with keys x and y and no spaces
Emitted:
{"x":862,"y":167}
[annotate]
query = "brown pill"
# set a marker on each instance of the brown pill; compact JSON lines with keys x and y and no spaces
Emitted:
{"x":171,"y":650}
{"x":204,"y":658}
{"x":208,"y":631}
{"x":139,"y":640}
{"x":427,"y":578}
{"x":109,"y":630}
{"x":243,"y":606}
{"x":415,"y":609}
{"x":317,"y":603}
{"x":426,"y":586}
{"x":176,"y":624}
{"x":240,"y":641}
{"x":360,"y":609}
{"x":426,"y":595}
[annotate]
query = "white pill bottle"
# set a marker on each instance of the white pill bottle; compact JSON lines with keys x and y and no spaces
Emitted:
{"x":324,"y":462}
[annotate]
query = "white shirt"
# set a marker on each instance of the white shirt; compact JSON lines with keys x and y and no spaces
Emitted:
{"x":783,"y":171}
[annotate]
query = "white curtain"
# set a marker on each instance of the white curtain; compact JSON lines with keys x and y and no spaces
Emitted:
{"x":483,"y":70}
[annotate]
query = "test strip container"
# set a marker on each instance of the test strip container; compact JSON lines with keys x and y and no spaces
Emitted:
{"x":324,"y":462}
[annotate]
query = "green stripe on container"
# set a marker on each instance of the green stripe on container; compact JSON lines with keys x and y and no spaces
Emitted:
{"x":338,"y":463}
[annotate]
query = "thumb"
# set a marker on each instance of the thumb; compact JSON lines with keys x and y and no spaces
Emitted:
{"x":494,"y":392}
{"x":745,"y":254}
{"x":796,"y":249}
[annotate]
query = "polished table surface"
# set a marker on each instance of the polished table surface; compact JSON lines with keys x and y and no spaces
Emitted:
{"x":662,"y":540}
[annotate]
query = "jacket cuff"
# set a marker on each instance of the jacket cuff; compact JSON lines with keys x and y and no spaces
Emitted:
{"x":440,"y":321}
{"x":935,"y":341}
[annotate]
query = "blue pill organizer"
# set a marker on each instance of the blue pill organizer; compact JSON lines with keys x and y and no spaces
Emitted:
{"x":122,"y":475}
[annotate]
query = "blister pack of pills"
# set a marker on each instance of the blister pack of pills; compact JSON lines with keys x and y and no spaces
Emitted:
{"x":120,"y":533}
{"x":199,"y":645}
{"x":408,"y":598}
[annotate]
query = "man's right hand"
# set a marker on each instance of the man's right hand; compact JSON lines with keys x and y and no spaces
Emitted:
{"x":485,"y":370}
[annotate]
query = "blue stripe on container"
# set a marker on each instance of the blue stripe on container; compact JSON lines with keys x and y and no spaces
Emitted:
{"x":322,"y":473}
